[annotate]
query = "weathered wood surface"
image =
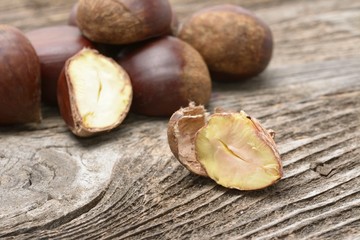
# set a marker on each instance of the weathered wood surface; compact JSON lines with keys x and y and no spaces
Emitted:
{"x":127,"y":185}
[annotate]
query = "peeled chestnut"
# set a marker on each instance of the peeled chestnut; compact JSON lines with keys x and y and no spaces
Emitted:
{"x":233,"y":41}
{"x":231,"y":148}
{"x":123,"y":21}
{"x":94,"y":93}
{"x":54,"y":45}
{"x":20,"y":78}
{"x":166,"y":73}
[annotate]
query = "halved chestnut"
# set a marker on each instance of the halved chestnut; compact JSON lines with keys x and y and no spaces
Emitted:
{"x":94,"y":93}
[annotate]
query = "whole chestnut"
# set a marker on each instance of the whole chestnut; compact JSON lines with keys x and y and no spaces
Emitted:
{"x":123,"y":21}
{"x":54,"y":45}
{"x":233,"y":41}
{"x":20,"y":78}
{"x":109,"y":50}
{"x":166,"y":74}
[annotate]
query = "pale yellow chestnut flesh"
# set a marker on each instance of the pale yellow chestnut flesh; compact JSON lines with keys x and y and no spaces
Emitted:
{"x":231,"y":148}
{"x":94,"y":93}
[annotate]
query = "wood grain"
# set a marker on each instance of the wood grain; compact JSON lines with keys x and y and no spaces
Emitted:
{"x":127,"y":185}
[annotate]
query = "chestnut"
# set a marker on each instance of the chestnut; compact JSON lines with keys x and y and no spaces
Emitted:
{"x":20,"y":78}
{"x":166,"y":73}
{"x":109,"y":50}
{"x":94,"y":93}
{"x":123,"y":21}
{"x":54,"y":45}
{"x":231,"y":148}
{"x":233,"y":41}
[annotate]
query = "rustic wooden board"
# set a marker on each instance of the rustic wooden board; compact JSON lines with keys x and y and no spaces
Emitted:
{"x":127,"y":185}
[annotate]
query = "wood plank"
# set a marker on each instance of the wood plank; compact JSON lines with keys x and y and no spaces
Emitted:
{"x":126,"y":184}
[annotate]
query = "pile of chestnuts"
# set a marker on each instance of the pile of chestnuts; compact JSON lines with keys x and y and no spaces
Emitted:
{"x":130,"y":55}
{"x":137,"y":49}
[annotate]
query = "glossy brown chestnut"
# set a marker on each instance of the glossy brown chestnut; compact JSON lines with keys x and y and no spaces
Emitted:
{"x":123,"y":21}
{"x":166,"y":74}
{"x":20,"y":78}
{"x":54,"y":45}
{"x":233,"y":41}
{"x":94,"y":93}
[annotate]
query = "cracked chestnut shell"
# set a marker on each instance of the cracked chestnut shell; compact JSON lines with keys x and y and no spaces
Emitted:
{"x":123,"y":21}
{"x":182,"y":128}
{"x":231,"y":148}
{"x":166,"y":74}
{"x":20,"y":78}
{"x":54,"y":45}
{"x":233,"y":41}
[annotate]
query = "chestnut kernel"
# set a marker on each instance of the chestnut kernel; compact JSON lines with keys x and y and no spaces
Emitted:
{"x":94,"y":93}
{"x":166,"y":74}
{"x":123,"y":21}
{"x":20,"y":78}
{"x":54,"y":45}
{"x":233,"y":41}
{"x":231,"y":148}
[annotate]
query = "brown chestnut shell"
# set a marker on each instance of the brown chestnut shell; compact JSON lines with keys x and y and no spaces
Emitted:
{"x":233,"y":41}
{"x":123,"y":21}
{"x":54,"y":45}
{"x":181,"y":132}
{"x":166,"y":74}
{"x":20,"y":78}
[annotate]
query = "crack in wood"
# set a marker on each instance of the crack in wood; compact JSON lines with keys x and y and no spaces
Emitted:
{"x":60,"y":221}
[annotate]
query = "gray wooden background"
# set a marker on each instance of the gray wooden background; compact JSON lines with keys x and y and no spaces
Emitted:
{"x":127,"y":185}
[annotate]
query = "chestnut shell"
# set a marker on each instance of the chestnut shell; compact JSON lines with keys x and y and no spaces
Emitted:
{"x":20,"y":78}
{"x":166,"y":74}
{"x":54,"y":45}
{"x":181,"y":132}
{"x":234,"y":42}
{"x":123,"y":21}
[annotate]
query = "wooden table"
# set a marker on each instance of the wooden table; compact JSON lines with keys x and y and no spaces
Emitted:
{"x":127,"y":185}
